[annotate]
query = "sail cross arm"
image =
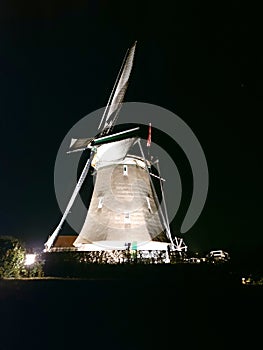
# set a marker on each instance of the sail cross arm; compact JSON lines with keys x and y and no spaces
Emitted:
{"x":116,"y":136}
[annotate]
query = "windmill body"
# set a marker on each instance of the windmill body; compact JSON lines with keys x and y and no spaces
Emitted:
{"x":123,"y":207}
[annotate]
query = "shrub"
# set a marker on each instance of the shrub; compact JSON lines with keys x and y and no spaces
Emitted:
{"x":12,"y":256}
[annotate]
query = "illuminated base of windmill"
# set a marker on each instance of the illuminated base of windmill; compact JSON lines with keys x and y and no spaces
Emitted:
{"x":118,"y":245}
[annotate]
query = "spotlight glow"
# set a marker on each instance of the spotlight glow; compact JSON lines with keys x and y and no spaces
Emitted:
{"x":30,"y":259}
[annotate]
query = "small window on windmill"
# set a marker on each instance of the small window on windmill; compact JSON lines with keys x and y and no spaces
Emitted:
{"x":149,"y":204}
{"x":127,"y":219}
{"x":100,"y":202}
{"x":125,"y":170}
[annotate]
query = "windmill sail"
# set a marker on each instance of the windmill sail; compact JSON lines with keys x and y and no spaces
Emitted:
{"x":80,"y":143}
{"x":115,"y":101}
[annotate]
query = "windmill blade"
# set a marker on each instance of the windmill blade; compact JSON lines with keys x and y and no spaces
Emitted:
{"x":77,"y":145}
{"x":83,"y":175}
{"x":117,"y":95}
{"x":80,"y":143}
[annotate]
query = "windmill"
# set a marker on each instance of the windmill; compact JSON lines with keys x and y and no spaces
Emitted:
{"x":124,"y":209}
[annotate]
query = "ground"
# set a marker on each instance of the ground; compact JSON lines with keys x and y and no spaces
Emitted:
{"x":127,"y":313}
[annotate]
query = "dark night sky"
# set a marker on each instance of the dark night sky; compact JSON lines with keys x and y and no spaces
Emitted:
{"x":199,"y":59}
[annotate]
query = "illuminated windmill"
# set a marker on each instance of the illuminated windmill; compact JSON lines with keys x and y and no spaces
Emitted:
{"x":124,"y":208}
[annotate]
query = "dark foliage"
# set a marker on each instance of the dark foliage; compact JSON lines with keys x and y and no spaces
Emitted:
{"x":12,"y":255}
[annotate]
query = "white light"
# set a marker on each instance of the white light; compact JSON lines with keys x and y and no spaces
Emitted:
{"x":30,"y":259}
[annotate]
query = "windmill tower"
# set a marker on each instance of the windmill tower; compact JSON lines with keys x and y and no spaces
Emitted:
{"x":124,"y":208}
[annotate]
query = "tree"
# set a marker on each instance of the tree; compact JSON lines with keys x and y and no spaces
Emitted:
{"x":12,"y":257}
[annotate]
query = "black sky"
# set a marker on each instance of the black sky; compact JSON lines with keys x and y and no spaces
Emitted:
{"x":200,"y":59}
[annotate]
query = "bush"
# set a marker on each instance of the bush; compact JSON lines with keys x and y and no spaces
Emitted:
{"x":12,"y":256}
